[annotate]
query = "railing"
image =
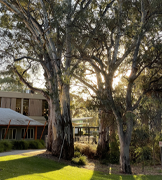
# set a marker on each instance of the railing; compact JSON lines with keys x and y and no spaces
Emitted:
{"x":86,"y":139}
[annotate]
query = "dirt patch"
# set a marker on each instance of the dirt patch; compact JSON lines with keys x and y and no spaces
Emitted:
{"x":108,"y":169}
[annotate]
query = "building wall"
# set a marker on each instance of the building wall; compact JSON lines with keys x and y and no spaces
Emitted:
{"x":25,"y":103}
{"x":18,"y":102}
{"x":8,"y":103}
{"x":35,"y":107}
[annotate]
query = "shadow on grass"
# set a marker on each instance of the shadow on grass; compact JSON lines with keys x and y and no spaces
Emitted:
{"x":35,"y":167}
{"x":19,"y":165}
{"x":108,"y":174}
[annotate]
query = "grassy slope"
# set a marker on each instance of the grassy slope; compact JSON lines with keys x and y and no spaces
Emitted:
{"x":36,"y":168}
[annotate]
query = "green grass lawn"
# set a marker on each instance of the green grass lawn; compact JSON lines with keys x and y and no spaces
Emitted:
{"x":26,"y":167}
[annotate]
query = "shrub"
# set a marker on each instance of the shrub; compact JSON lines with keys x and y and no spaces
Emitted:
{"x":35,"y":144}
{"x":32,"y":144}
{"x":1,"y":147}
{"x":77,"y":154}
{"x":89,"y":151}
{"x":20,"y":144}
{"x":42,"y":142}
{"x":82,"y":160}
{"x":143,"y":153}
{"x":114,"y":157}
{"x":77,"y":148}
{"x":5,"y":146}
{"x":114,"y":153}
{"x":86,"y":149}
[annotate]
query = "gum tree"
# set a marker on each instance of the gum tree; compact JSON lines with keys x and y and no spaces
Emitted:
{"x":40,"y":33}
{"x":126,"y":39}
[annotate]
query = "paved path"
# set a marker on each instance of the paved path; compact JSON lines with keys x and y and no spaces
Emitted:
{"x":14,"y":152}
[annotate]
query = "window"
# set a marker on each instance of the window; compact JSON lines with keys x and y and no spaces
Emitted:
{"x":25,"y":107}
{"x":18,"y":105}
{"x":11,"y":134}
{"x":29,"y":134}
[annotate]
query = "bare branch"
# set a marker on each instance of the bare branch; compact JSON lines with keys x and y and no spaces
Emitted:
{"x":85,"y":83}
{"x":26,"y":57}
{"x":29,"y":85}
{"x":107,"y":7}
{"x":27,"y":68}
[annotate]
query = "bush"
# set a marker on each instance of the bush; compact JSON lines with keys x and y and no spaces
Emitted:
{"x":82,"y":160}
{"x":114,"y":154}
{"x":42,"y":142}
{"x":143,"y":154}
{"x":32,"y":144}
{"x":87,"y":150}
{"x":113,"y":157}
{"x":1,"y":147}
{"x":5,"y":145}
{"x":77,"y":148}
{"x":77,"y":154}
{"x":35,"y":144}
{"x":20,"y":144}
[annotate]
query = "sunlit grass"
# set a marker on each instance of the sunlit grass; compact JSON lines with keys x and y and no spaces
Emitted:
{"x":26,"y":167}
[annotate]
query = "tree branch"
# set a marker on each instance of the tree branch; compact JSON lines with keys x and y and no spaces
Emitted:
{"x":29,"y":85}
{"x":26,"y":57}
{"x":85,"y":83}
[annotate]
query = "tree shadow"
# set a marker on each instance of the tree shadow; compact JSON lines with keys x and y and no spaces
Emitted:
{"x":112,"y":173}
{"x":21,"y":165}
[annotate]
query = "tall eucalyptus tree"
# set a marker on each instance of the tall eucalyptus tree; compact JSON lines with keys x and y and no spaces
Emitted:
{"x":40,"y":32}
{"x":126,"y":38}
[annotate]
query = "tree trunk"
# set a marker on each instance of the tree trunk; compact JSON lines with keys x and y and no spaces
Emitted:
{"x":124,"y":158}
{"x":103,"y":142}
{"x":60,"y":132}
{"x":68,"y":150}
{"x":158,"y":120}
{"x":153,"y":151}
{"x":55,"y":129}
{"x":125,"y":139}
{"x":112,"y":129}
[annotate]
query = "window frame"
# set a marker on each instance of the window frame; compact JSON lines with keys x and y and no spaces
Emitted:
{"x":7,"y":136}
{"x":27,"y":137}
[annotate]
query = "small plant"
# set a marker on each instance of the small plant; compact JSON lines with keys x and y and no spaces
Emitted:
{"x":82,"y":160}
{"x":77,"y":148}
{"x":89,"y":151}
{"x":77,"y":154}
